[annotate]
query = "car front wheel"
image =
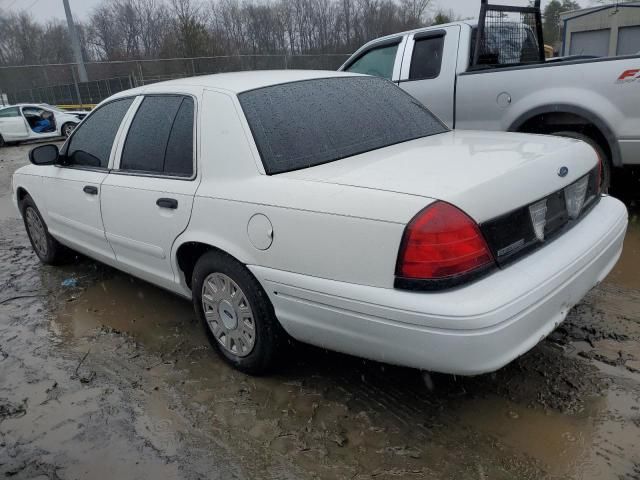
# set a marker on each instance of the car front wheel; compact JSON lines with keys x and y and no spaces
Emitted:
{"x":236,"y":313}
{"x":67,"y":128}
{"x":47,"y":248}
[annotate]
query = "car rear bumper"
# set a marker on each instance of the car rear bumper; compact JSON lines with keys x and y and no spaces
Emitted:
{"x":470,"y":330}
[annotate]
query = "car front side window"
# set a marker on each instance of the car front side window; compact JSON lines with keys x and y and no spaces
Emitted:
{"x":90,"y":145}
{"x":160,"y":139}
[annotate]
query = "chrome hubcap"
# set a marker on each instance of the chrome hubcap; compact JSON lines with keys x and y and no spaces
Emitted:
{"x":67,"y":130}
{"x":228,"y":314}
{"x":37,"y":232}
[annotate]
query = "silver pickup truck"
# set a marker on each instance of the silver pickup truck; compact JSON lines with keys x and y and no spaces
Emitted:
{"x":593,"y":99}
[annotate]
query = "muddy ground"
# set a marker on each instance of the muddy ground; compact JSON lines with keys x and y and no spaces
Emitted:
{"x":106,"y":376}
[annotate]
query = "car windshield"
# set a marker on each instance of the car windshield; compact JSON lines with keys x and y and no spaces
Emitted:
{"x":307,"y":123}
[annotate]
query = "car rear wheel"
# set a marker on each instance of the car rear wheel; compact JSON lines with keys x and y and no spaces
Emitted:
{"x":67,"y":128}
{"x":2,"y":142}
{"x":47,"y":248}
{"x":236,"y":313}
{"x":605,"y":171}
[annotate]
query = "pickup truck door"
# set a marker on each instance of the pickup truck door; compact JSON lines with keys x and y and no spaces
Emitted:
{"x":72,"y":189}
{"x":428,"y":70}
{"x":12,"y":124}
{"x":147,"y":198}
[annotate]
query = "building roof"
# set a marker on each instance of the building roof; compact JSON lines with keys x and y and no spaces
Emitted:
{"x":588,"y":11}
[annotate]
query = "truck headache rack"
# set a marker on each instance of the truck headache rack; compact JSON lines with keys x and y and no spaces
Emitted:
{"x":508,"y":35}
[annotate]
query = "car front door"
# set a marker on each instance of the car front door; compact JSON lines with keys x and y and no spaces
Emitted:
{"x":146,"y":200}
{"x":12,"y":124}
{"x":73,"y":187}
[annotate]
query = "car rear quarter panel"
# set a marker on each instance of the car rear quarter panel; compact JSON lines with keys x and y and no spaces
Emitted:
{"x":322,"y":230}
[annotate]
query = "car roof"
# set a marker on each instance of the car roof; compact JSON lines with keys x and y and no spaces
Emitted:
{"x":238,"y":82}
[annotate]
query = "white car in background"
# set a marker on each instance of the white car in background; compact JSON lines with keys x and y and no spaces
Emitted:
{"x":35,"y":121}
{"x":332,"y":207}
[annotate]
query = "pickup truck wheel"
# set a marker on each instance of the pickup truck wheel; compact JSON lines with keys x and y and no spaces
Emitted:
{"x":605,"y":172}
{"x":47,"y":248}
{"x":236,"y":313}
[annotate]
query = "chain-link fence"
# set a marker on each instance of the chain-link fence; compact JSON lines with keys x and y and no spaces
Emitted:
{"x":58,"y":85}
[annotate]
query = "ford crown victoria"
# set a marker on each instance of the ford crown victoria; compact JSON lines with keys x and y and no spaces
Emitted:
{"x":331,"y":207}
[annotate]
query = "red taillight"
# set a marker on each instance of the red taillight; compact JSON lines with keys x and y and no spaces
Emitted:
{"x":440,"y":242}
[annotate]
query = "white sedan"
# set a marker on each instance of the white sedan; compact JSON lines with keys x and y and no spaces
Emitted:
{"x":35,"y":121}
{"x":331,"y":207}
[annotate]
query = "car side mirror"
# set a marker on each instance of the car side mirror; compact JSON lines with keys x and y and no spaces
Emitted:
{"x":44,"y":155}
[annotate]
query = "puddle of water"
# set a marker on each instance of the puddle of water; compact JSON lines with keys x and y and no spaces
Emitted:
{"x":338,"y":415}
{"x":150,"y":315}
{"x":592,"y":445}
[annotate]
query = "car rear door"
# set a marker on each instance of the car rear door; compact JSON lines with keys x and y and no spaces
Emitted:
{"x":72,"y":189}
{"x":12,"y":125}
{"x":147,"y":198}
{"x":428,"y":69}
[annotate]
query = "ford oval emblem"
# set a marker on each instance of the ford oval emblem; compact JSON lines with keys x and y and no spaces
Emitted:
{"x":563,"y":171}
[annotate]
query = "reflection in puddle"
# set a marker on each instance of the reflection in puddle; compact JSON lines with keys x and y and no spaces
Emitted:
{"x":627,"y":271}
{"x":585,"y":446}
{"x":149,"y":314}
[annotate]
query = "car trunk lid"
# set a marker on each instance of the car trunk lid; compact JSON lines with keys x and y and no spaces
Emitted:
{"x":486,"y":174}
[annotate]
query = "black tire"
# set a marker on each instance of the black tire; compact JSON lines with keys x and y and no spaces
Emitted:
{"x":605,"y":173}
{"x":2,"y":142}
{"x":47,"y":248}
{"x":67,"y":129}
{"x":268,"y":333}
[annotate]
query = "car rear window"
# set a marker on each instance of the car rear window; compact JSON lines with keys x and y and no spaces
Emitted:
{"x":302,"y":124}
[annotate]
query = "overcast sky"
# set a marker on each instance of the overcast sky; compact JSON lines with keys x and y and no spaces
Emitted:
{"x":44,"y":10}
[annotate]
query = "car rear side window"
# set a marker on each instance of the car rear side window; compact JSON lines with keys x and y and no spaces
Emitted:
{"x":302,"y":124}
{"x":378,"y":61}
{"x":9,"y":112}
{"x":426,"y":60}
{"x":160,"y":139}
{"x":91,"y":143}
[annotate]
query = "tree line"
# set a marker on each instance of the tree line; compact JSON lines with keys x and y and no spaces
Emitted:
{"x":148,"y":29}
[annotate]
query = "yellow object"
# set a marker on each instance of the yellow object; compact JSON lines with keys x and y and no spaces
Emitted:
{"x":77,"y":106}
{"x":548,"y":51}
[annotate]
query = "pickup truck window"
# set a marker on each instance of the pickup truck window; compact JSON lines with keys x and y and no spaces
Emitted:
{"x":160,"y":139}
{"x":377,"y":61}
{"x":90,"y":145}
{"x":293,"y":129}
{"x":426,"y":59}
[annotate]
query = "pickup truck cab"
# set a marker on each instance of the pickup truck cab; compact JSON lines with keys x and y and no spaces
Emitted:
{"x":593,"y":99}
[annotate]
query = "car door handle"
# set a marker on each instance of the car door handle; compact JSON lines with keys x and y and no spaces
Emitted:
{"x":167,"y":203}
{"x":90,"y":189}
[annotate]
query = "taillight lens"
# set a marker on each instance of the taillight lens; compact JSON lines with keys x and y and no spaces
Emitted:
{"x":442,"y":242}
